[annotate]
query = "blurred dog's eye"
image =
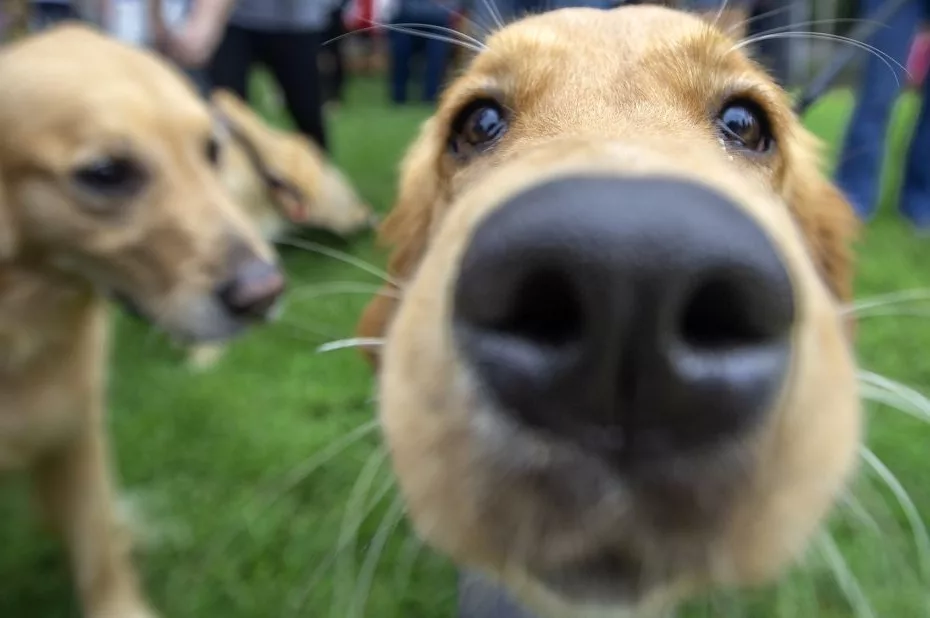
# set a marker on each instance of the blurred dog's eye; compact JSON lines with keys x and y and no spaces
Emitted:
{"x":213,"y":151}
{"x":744,"y":125}
{"x":478,"y":127}
{"x":118,"y":177}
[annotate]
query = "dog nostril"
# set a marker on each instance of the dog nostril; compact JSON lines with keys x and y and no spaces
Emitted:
{"x":634,"y":317}
{"x":720,"y":316}
{"x":253,"y":291}
{"x":545,"y":312}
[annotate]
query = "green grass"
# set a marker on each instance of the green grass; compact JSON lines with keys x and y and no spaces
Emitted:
{"x":205,"y":453}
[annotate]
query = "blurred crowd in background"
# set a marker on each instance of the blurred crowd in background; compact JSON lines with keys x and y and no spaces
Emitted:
{"x":312,"y":47}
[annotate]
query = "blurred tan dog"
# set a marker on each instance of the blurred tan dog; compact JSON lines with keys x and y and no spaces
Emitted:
{"x":108,"y":187}
{"x":283,"y":181}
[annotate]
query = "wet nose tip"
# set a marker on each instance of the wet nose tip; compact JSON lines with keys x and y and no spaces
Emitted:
{"x":253,"y":290}
{"x":651,"y":310}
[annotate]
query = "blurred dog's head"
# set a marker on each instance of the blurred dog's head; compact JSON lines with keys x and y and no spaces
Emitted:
{"x":283,"y":178}
{"x":108,"y":172}
{"x":618,"y":373}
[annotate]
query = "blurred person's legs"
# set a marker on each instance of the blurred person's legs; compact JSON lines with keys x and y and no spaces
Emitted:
{"x":591,"y":4}
{"x":773,"y":16}
{"x":437,"y":56}
{"x":401,"y":55}
{"x":860,"y":164}
{"x":332,"y":52}
{"x":45,"y":14}
{"x":488,"y":15}
{"x":292,"y":58}
{"x":232,"y":61}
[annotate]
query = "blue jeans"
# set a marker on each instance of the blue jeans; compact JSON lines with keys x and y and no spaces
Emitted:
{"x":48,"y":14}
{"x":404,"y":46}
{"x":859,"y":171}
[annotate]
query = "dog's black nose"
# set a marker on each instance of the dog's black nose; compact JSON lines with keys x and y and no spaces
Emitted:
{"x":640,"y":317}
{"x":253,"y":290}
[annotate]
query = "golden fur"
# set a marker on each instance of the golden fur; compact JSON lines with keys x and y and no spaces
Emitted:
{"x":106,"y":187}
{"x":630,"y":92}
{"x":292,"y":184}
{"x":330,"y":202}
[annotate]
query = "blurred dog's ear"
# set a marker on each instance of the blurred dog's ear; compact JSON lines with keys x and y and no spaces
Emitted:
{"x":405,"y":231}
{"x":828,"y":220}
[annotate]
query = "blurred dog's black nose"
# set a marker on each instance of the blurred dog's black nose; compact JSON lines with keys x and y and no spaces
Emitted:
{"x":253,"y":290}
{"x":636,"y":316}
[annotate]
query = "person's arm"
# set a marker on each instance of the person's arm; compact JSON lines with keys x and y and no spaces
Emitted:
{"x":156,"y":19}
{"x":195,"y":43}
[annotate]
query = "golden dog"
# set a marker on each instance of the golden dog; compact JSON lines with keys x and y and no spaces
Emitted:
{"x":283,"y":181}
{"x":618,"y":375}
{"x":108,"y":187}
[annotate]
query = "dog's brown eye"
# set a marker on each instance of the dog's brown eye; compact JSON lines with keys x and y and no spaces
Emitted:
{"x":744,"y":125}
{"x":114,"y":177}
{"x":478,"y":127}
{"x":213,"y":151}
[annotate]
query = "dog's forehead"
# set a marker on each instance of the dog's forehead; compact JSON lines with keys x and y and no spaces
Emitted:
{"x":628,"y":63}
{"x":74,"y":75}
{"x":651,"y":46}
{"x":595,"y":36}
{"x":74,"y":85}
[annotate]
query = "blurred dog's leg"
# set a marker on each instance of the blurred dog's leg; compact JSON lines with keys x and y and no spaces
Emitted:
{"x":76,"y":493}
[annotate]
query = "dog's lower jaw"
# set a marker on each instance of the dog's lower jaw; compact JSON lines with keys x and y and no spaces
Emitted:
{"x":548,"y":604}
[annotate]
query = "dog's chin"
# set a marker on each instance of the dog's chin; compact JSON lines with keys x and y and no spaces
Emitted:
{"x":598,"y":534}
{"x":596,"y":590}
{"x":199,"y":321}
{"x":609,"y":579}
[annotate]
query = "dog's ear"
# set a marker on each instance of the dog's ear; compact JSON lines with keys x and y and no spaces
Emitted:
{"x":827,"y":219}
{"x":405,"y":231}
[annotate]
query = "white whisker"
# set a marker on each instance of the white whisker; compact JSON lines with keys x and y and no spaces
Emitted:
{"x":751,"y":20}
{"x":921,"y":538}
{"x":428,"y":31}
{"x":882,"y":390}
{"x":889,"y":61}
{"x":351,"y":260}
{"x":354,"y":342}
{"x":262,"y":500}
{"x":815,"y":22}
{"x":375,"y":552}
{"x":893,"y":313}
{"x":353,"y":517}
{"x":859,"y":512}
{"x":405,"y":564}
{"x":883,"y":300}
{"x":341,"y":287}
{"x":464,"y":39}
{"x":299,"y":601}
{"x":495,"y":13}
{"x":844,"y":576}
{"x":721,"y":11}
